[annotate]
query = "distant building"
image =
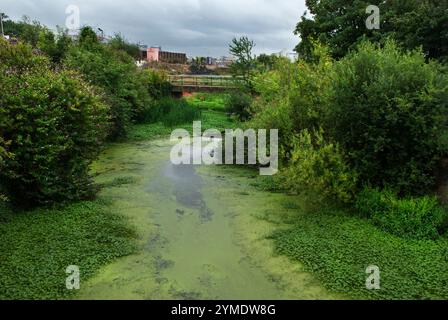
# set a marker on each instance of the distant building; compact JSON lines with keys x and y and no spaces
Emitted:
{"x":225,"y":62}
{"x":210,"y":61}
{"x":156,"y":54}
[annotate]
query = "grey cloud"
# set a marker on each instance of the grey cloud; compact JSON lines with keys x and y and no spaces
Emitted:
{"x":197,"y":27}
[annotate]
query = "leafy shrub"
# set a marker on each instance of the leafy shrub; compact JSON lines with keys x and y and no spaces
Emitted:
{"x":384,"y":108}
{"x":419,"y":218}
{"x":320,"y":166}
{"x":55,"y":47}
{"x":387,"y":110}
{"x":116,"y":73}
{"x":239,"y":104}
{"x":55,"y":124}
{"x":119,"y":43}
{"x":4,"y":154}
{"x":156,"y":83}
{"x":292,"y":97}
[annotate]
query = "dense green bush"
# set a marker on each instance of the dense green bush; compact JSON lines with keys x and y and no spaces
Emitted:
{"x":54,"y":46}
{"x":55,"y":124}
{"x":292,"y":97}
{"x":156,"y":83}
{"x":4,"y":154}
{"x":387,"y":110}
{"x":119,"y":43}
{"x":320,"y":166}
{"x":115,"y":72}
{"x":238,"y":103}
{"x":418,"y":218}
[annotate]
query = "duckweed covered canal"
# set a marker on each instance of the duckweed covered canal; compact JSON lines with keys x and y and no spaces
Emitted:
{"x":202,"y":231}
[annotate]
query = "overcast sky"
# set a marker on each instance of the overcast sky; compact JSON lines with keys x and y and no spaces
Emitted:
{"x":197,"y":27}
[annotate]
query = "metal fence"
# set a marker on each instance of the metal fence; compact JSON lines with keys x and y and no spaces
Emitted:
{"x":201,"y":81}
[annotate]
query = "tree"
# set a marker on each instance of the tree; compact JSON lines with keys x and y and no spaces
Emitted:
{"x":242,"y":49}
{"x":198,"y":66}
{"x":30,"y":30}
{"x":52,"y":123}
{"x":88,"y":37}
{"x":266,"y":62}
{"x":54,"y":46}
{"x":115,"y":72}
{"x":387,"y":109}
{"x":340,"y":24}
{"x":118,"y":42}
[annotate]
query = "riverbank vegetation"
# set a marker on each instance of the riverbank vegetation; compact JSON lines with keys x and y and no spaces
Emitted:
{"x":62,"y":102}
{"x":363,"y":131}
{"x":363,"y":139}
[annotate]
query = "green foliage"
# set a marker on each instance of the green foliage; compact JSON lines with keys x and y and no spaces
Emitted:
{"x":318,"y":165}
{"x":338,"y":248}
{"x":147,"y":131}
{"x":119,"y":43}
{"x":217,"y":120}
{"x":156,"y":83}
{"x":88,"y":38}
{"x":244,"y":66}
{"x":418,"y":218}
{"x":198,"y":66}
{"x":55,"y":47}
{"x":209,"y":120}
{"x":19,"y":59}
{"x":208,"y":101}
{"x":172,"y":112}
{"x":384,"y":108}
{"x":340,"y":24}
{"x":55,"y":124}
{"x":387,"y":110}
{"x":4,"y":154}
{"x":292,"y":97}
{"x":125,"y":87}
{"x":37,"y":246}
{"x":266,"y":62}
{"x":238,"y":103}
{"x":26,"y":30}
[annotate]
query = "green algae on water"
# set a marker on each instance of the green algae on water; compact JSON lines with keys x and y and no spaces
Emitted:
{"x":201,"y":235}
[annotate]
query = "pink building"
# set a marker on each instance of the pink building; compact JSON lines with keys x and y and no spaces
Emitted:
{"x":153,"y":53}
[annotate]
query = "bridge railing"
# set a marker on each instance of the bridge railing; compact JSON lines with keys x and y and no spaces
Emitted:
{"x":200,"y":81}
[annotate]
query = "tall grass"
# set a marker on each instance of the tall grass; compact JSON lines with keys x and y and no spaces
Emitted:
{"x":208,"y":101}
{"x":171,"y":112}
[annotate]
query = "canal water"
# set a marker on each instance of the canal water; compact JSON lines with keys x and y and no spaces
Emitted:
{"x":203,"y":231}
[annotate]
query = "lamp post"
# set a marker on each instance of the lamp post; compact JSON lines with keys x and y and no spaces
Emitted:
{"x":102,"y":33}
{"x":1,"y":23}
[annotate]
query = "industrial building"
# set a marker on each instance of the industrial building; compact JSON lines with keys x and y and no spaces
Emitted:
{"x":157,"y":54}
